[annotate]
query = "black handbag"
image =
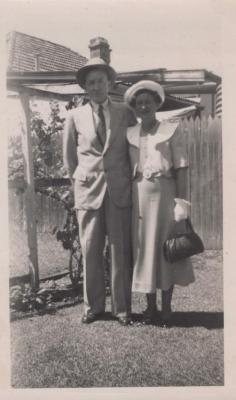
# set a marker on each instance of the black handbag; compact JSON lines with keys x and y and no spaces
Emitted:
{"x":183,"y":242}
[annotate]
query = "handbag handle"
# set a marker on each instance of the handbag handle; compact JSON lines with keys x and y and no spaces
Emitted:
{"x":189,"y":224}
{"x":182,"y":226}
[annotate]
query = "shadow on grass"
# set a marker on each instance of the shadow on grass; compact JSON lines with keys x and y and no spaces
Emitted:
{"x":190,"y":319}
{"x":208,"y":320}
{"x":74,"y":296}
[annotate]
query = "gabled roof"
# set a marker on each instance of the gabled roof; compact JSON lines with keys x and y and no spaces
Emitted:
{"x":25,"y":51}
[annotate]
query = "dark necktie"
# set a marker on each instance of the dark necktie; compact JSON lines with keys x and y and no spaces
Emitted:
{"x":101,"y":128}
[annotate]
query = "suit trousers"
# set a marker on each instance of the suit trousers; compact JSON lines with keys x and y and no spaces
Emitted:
{"x":94,"y":225}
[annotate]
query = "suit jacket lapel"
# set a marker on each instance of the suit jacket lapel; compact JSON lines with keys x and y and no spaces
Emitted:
{"x":87,"y":124}
{"x":85,"y":120}
{"x":133,"y":136}
{"x":114,"y":124}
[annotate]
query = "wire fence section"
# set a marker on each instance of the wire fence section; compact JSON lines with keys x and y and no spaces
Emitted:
{"x":50,"y":213}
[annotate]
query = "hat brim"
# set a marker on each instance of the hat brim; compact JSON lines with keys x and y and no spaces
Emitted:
{"x":82,"y":73}
{"x":145,"y":85}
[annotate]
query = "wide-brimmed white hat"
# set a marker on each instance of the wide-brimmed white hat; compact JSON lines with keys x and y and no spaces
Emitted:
{"x":144,"y":85}
{"x":95,"y":63}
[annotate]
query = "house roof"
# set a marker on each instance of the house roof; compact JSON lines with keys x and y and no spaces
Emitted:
{"x":29,"y":53}
{"x":44,"y":68}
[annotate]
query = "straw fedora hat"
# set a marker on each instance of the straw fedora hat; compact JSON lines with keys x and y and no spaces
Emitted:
{"x":94,"y":63}
{"x":144,"y":85}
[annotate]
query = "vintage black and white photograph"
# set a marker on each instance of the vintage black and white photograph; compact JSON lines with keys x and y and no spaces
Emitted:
{"x":115,"y":194}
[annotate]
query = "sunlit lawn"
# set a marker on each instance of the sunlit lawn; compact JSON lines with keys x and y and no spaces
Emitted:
{"x":58,"y":351}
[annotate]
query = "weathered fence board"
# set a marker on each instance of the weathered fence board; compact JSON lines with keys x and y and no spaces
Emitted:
{"x":49,"y":212}
{"x":205,"y":175}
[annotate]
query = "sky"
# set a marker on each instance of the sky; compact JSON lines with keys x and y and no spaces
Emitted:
{"x":143,"y":34}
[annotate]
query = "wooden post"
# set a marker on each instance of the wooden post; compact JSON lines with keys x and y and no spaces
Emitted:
{"x":29,"y":193}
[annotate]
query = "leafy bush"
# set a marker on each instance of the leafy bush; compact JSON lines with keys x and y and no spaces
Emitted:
{"x":24,"y":298}
{"x":46,"y":147}
{"x":70,"y":232}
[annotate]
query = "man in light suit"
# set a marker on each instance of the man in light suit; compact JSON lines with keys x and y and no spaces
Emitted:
{"x":95,"y":154}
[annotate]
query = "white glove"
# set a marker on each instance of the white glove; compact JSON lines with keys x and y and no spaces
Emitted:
{"x":182,"y":209}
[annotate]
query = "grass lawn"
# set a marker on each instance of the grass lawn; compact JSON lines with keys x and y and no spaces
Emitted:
{"x":56,"y":350}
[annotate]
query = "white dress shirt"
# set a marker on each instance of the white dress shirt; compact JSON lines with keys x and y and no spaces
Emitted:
{"x":106,"y":112}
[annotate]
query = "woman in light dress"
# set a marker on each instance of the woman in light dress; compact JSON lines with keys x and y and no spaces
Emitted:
{"x":159,"y":164}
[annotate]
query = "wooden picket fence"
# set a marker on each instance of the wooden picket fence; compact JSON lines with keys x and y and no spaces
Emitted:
{"x":204,"y":142}
{"x":50,"y":213}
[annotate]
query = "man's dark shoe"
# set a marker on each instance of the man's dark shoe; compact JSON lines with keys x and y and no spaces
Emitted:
{"x":90,"y":317}
{"x":124,"y":321}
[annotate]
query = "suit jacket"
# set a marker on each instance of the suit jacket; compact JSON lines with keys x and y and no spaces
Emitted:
{"x":94,"y":168}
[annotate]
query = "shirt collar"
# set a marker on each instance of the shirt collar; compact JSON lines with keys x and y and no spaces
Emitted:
{"x":95,"y":106}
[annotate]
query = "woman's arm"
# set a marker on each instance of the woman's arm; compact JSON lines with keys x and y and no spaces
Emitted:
{"x":181,"y":182}
{"x":180,"y":161}
{"x":182,"y":207}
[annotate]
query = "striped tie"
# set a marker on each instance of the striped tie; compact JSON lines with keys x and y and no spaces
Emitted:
{"x":101,"y":128}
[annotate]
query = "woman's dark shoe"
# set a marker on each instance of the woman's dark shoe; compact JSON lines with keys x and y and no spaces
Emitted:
{"x":165,"y":324}
{"x":149,"y":317}
{"x":166,"y":321}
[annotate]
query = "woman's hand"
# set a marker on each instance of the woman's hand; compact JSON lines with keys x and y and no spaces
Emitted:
{"x":181,"y":210}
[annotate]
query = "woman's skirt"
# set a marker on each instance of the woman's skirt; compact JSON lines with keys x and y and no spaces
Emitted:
{"x":152,"y":221}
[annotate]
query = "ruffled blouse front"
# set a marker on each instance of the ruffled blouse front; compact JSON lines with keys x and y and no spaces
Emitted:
{"x":158,"y":151}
